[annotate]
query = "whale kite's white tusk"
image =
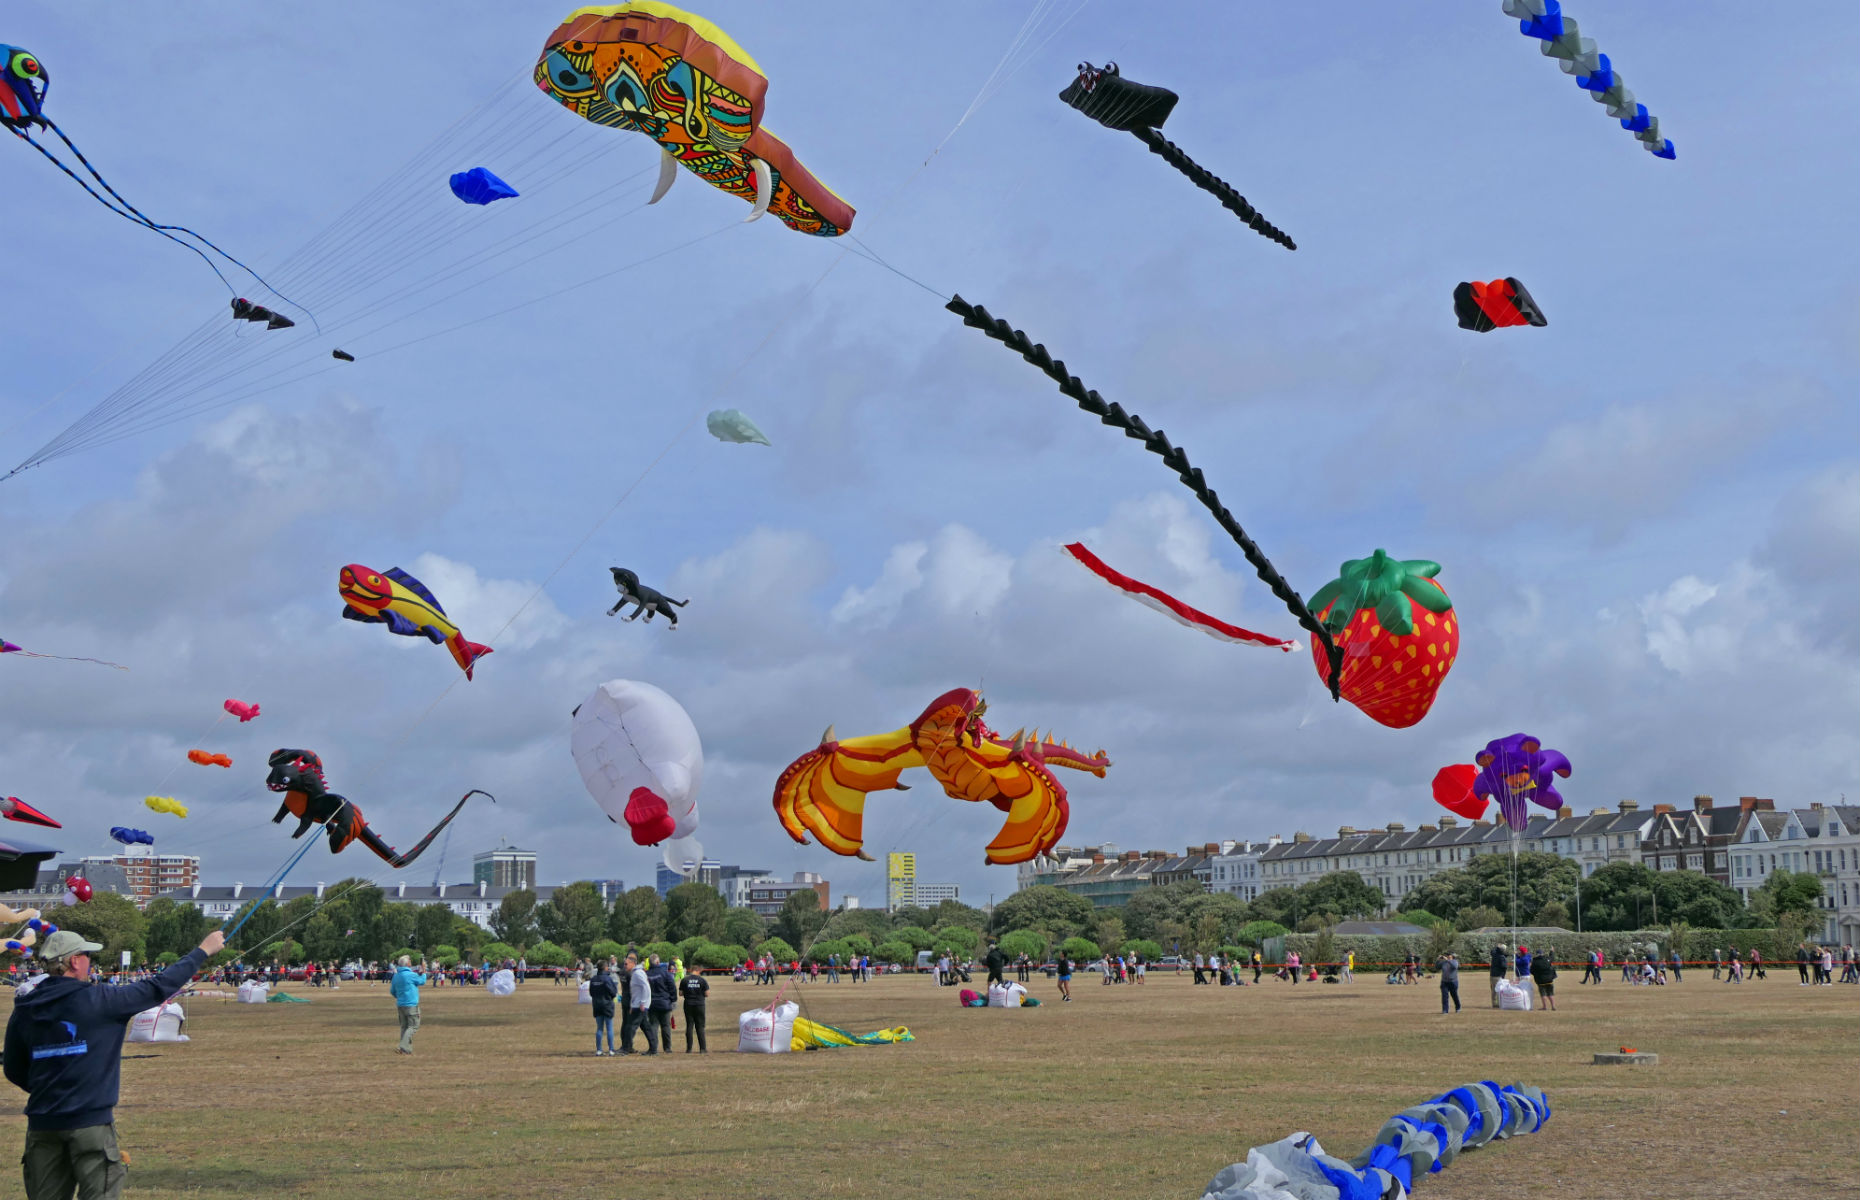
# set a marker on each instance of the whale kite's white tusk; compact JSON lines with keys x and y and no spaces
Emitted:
{"x":668,"y":173}
{"x":765,"y":188}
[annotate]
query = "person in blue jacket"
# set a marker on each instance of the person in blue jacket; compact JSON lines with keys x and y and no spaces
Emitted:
{"x":406,"y":986}
{"x":64,"y":1049}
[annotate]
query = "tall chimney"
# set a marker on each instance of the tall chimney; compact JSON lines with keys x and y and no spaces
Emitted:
{"x":1565,"y":813}
{"x":1662,"y":808}
{"x":1702,"y":803}
{"x":1628,"y":806}
{"x":1301,"y":836}
{"x":1397,"y":827}
{"x":1448,"y":822}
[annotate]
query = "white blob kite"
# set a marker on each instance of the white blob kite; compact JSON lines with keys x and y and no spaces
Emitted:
{"x":641,"y":760}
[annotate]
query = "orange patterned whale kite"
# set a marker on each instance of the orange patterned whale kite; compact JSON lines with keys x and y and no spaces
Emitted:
{"x":684,"y":83}
{"x":823,"y":792}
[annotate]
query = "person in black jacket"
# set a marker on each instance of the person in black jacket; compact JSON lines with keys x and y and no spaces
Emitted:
{"x":1498,"y":971}
{"x":603,"y":990}
{"x":1543,"y":974}
{"x":664,"y":998}
{"x":694,"y":988}
{"x":64,"y":1049}
{"x":997,"y":963}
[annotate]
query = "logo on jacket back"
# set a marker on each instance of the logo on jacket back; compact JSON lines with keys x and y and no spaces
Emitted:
{"x":65,"y":1049}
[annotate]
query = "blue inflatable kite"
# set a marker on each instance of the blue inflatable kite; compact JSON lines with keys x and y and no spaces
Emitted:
{"x":1578,"y":56}
{"x":1413,"y":1144}
{"x":131,"y":837}
{"x":479,"y":186}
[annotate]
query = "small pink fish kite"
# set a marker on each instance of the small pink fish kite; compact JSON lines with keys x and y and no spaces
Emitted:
{"x":239,"y":708}
{"x":208,"y":760}
{"x":1170,"y":607}
{"x":7,"y":647}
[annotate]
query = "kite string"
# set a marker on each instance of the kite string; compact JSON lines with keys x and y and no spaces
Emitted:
{"x":271,"y":885}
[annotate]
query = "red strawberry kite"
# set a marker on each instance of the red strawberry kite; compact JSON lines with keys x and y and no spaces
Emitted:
{"x":1398,"y":631}
{"x":1483,"y":307}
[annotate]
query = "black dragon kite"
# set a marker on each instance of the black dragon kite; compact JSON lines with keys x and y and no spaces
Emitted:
{"x":299,"y":775}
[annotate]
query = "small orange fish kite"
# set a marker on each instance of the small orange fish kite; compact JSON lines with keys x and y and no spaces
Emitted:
{"x":208,"y":760}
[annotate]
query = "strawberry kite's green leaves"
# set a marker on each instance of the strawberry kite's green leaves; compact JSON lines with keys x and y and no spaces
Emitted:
{"x":1385,"y":585}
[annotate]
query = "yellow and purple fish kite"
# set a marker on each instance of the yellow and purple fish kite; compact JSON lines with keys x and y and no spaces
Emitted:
{"x":402,"y":603}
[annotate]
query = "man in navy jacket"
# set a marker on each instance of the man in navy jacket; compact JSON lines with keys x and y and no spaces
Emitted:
{"x":64,"y":1049}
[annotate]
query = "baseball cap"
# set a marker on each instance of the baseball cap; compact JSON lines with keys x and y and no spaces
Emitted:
{"x":64,"y":944}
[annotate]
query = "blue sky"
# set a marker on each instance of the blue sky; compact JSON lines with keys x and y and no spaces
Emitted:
{"x":1648,"y":512}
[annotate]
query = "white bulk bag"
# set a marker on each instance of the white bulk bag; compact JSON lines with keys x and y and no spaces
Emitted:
{"x":762,"y":1031}
{"x":254,"y":992}
{"x":159,"y":1024}
{"x":501,"y":983}
{"x":1513,"y":997}
{"x":584,"y":997}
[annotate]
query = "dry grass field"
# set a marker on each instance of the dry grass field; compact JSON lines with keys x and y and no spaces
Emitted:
{"x":1138,"y":1092}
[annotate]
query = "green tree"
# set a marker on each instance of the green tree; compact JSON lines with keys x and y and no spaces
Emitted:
{"x":174,"y":928}
{"x":1208,"y":935}
{"x":1630,"y":895}
{"x":514,"y":921}
{"x":1255,"y":933}
{"x":1482,"y":916}
{"x":1150,"y":951}
{"x":688,"y":947}
{"x":800,"y":917}
{"x":446,"y":956}
{"x":1486,"y":880}
{"x":1230,"y":914}
{"x":713,"y":957}
{"x":825,"y":947}
{"x":605,"y":949}
{"x":1342,"y":894}
{"x":1108,"y":929}
{"x":1792,"y":893}
{"x":694,"y":910}
{"x":576,"y":916}
{"x":322,"y":940}
{"x":914,"y":936}
{"x":1554,"y":915}
{"x":958,"y":940}
{"x":910,"y":914}
{"x":433,"y":927}
{"x":547,"y":954}
{"x":743,"y":927}
{"x":394,"y":926}
{"x":898,"y":952}
{"x":492,"y":954}
{"x":1080,"y":950}
{"x":847,"y":921}
{"x":256,"y":928}
{"x":1165,"y":902}
{"x":468,"y":935}
{"x":955,"y":912}
{"x":1278,"y":905}
{"x":285,"y":951}
{"x":113,"y":920}
{"x":779,"y":950}
{"x":1056,"y":912}
{"x":1025,"y":941}
{"x":638,"y":916}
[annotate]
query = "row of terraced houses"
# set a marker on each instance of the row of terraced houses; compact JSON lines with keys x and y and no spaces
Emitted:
{"x":1737,"y":845}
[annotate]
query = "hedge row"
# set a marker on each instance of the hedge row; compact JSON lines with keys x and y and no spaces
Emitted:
{"x":1566,"y":947}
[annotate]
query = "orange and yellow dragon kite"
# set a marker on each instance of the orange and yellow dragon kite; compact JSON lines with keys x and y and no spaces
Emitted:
{"x":823,"y":792}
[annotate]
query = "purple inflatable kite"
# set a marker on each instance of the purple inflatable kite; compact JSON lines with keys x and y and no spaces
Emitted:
{"x":1516,"y":769}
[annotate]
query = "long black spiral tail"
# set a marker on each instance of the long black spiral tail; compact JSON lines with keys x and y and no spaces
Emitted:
{"x":1156,"y":442}
{"x":1209,"y":182}
{"x":131,"y":213}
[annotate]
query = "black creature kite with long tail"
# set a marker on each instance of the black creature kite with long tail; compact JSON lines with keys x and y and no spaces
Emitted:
{"x":299,"y":775}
